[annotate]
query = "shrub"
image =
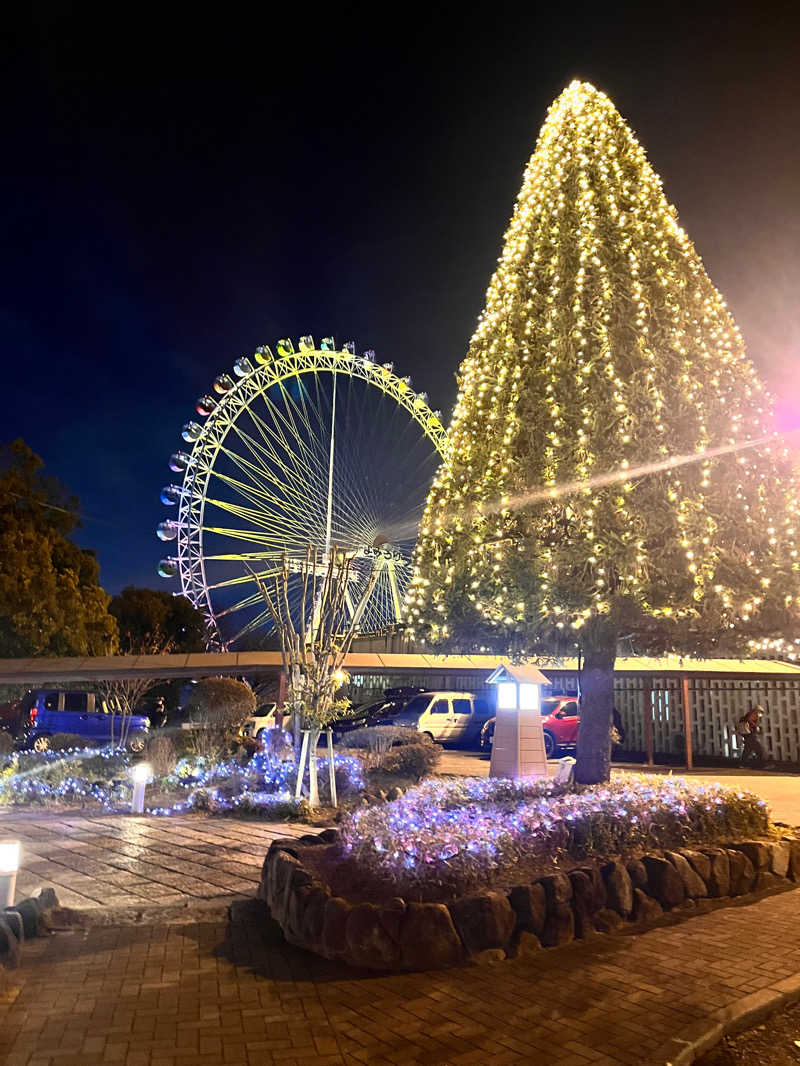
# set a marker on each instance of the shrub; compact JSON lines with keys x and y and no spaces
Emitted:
{"x":161,"y":753}
{"x":6,"y":743}
{"x":64,"y":741}
{"x":377,"y":740}
{"x":218,"y":706}
{"x":413,"y":760}
{"x":452,"y":836}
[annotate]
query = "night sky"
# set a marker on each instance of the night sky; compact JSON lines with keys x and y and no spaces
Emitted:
{"x":177,"y":191}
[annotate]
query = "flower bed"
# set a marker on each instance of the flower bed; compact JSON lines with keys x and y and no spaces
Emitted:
{"x":483,"y":870}
{"x":455,"y":835}
{"x":262,"y":785}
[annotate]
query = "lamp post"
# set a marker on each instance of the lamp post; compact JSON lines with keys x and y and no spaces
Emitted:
{"x":9,"y":864}
{"x":518,"y":744}
{"x":141,"y":773}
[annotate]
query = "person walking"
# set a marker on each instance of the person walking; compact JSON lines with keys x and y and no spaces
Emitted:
{"x":750,"y":731}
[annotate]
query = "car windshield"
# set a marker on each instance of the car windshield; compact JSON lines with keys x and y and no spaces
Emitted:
{"x":417,"y":705}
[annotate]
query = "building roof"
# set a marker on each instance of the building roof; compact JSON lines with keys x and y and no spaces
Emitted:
{"x":164,"y":667}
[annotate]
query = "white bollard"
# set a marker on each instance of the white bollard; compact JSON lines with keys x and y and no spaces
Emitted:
{"x":9,"y":864}
{"x":141,"y":773}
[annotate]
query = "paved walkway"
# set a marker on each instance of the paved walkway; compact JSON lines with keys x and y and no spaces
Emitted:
{"x":212,"y":995}
{"x":118,"y":860}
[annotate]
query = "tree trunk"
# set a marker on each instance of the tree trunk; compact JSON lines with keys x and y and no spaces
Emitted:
{"x":597,"y":703}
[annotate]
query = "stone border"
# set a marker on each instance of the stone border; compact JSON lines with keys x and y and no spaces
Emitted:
{"x":24,"y":920}
{"x":705,"y":1034}
{"x":493,"y":925}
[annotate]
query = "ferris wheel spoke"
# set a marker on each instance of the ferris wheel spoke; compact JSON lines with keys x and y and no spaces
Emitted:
{"x":248,"y":601}
{"x":275,"y":458}
{"x":291,"y":500}
{"x":245,"y":579}
{"x":266,"y":462}
{"x":266,"y":521}
{"x":262,"y":498}
{"x":298,"y":452}
{"x":252,"y":625}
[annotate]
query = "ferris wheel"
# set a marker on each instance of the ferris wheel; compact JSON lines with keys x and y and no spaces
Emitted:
{"x":316,"y":447}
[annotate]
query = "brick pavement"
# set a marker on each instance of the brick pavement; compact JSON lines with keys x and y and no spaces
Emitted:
{"x":215,"y":995}
{"x":117,"y":860}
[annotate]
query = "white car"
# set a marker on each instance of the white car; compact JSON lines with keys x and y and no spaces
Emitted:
{"x":261,"y":722}
{"x":447,"y":717}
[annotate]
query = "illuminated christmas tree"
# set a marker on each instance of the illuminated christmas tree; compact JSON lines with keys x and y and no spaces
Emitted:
{"x":614,"y":470}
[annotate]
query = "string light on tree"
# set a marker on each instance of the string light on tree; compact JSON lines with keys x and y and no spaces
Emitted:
{"x":603,"y":351}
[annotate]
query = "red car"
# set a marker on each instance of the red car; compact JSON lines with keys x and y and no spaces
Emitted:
{"x":560,"y":721}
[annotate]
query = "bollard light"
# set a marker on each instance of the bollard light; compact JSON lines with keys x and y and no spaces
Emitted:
{"x":141,"y":774}
{"x":9,"y":864}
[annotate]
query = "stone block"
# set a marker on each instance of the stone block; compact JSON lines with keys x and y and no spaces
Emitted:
{"x":31,"y":917}
{"x":607,"y":920}
{"x":794,"y":859}
{"x":559,"y":926}
{"x":637,"y":873}
{"x":483,"y":921}
{"x":700,"y":863}
{"x":314,"y":916}
{"x":664,"y":883}
{"x":557,"y":889}
{"x":334,"y":921}
{"x":645,"y":909}
{"x":766,"y":880}
{"x":488,"y":955}
{"x":598,"y":886}
{"x":619,"y":888}
{"x":10,"y":942}
{"x":525,"y":945}
{"x":757,"y":852}
{"x":391,"y":916}
{"x":428,"y":938}
{"x":530,"y":906}
{"x":780,"y":854}
{"x":294,"y":914}
{"x":719,"y":881}
{"x":368,"y":943}
{"x":693,"y":883}
{"x":742,"y":874}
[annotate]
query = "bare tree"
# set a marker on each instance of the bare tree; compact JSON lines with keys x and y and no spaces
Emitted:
{"x":122,"y":696}
{"x":315,"y":640}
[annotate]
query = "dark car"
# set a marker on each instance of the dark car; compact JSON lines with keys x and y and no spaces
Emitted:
{"x":560,"y":720}
{"x":381,"y":712}
{"x":46,"y":712}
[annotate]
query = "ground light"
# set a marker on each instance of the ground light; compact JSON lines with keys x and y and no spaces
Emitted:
{"x":9,"y":864}
{"x":141,"y":774}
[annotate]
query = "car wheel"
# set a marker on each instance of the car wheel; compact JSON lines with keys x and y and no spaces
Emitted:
{"x":136,"y":744}
{"x":550,"y":746}
{"x":41,"y":743}
{"x":487,"y":739}
{"x":429,"y":736}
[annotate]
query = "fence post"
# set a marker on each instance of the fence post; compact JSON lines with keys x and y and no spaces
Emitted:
{"x":648,"y":723}
{"x":687,"y":722}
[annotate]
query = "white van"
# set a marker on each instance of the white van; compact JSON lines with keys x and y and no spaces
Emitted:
{"x":447,"y":717}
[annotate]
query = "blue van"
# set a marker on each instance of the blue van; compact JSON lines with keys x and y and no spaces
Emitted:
{"x":84,"y":714}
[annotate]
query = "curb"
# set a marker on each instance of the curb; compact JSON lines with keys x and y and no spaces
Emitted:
{"x":697,"y":1039}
